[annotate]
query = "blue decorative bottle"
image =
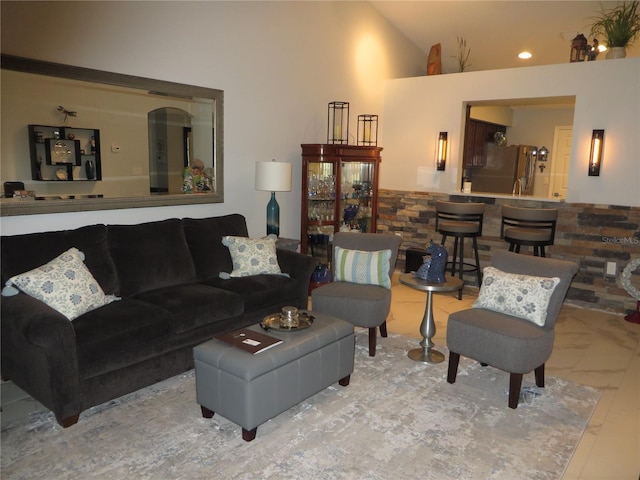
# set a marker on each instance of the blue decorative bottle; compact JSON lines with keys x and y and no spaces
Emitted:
{"x":273,"y":216}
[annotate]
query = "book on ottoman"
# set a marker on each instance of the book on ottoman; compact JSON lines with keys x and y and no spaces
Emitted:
{"x":249,"y":340}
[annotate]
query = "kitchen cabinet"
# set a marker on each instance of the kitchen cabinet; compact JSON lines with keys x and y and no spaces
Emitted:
{"x":476,"y":134}
{"x":64,"y":153}
{"x":339,"y":193}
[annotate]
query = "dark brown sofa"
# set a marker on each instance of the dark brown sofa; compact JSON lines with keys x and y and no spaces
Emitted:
{"x":172,"y":298}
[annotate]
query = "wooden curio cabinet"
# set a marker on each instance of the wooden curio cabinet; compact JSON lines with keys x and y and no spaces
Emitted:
{"x":339,"y":192}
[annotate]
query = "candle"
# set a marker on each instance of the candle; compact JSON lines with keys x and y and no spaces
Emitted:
{"x":337,"y":131}
{"x":367,"y":132}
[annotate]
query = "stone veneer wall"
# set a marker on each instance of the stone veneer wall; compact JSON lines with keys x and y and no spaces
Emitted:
{"x":590,"y":235}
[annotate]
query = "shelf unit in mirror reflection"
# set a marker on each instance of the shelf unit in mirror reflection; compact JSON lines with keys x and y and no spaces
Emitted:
{"x":64,"y":153}
{"x":339,"y":193}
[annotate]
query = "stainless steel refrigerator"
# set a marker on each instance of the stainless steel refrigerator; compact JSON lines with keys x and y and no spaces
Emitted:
{"x":506,"y":170}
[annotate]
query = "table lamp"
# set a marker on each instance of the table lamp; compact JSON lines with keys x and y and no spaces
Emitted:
{"x":273,"y":177}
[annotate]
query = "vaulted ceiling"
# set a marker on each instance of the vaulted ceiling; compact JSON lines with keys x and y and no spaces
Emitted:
{"x":495,"y":31}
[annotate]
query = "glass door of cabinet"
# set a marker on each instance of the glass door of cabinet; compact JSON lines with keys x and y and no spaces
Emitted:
{"x":356,"y":196}
{"x":322,"y":192}
{"x":339,"y":193}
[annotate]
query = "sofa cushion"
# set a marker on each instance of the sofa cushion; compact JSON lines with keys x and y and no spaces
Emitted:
{"x":21,"y":253}
{"x":251,"y":256}
{"x":65,"y":284}
{"x":195,"y":305}
{"x":118,"y":335}
{"x":261,"y":291}
{"x":204,"y":237}
{"x":150,"y":255}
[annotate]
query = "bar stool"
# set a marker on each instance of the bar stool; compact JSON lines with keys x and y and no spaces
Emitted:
{"x":461,"y":220}
{"x":534,"y":227}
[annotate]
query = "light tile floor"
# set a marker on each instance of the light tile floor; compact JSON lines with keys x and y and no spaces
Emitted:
{"x":591,"y":348}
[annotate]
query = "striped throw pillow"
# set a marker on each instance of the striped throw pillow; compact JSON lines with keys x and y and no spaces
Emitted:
{"x":358,"y":266}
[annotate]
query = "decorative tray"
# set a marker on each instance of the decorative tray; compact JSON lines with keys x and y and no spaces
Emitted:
{"x":272,"y":322}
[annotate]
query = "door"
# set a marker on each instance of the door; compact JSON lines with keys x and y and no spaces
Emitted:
{"x":560,"y":158}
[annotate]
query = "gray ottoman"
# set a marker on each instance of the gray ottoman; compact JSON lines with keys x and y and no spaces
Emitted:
{"x":250,"y":389}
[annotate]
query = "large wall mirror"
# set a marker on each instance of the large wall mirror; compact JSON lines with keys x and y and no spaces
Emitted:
{"x":150,"y":131}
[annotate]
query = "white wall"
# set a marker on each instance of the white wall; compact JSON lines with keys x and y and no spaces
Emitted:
{"x":607,"y":97}
{"x":279,"y":64}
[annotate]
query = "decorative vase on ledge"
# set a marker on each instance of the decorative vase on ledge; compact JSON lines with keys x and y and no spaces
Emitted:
{"x":616,"y":52}
{"x":90,"y":169}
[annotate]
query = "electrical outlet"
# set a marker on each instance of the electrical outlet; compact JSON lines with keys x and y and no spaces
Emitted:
{"x":612,"y":268}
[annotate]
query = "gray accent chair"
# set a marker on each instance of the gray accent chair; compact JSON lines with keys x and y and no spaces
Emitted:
{"x":505,"y":342}
{"x":361,"y":305}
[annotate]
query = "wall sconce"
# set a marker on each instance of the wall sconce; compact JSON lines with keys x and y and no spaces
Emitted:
{"x":542,"y":156}
{"x":273,"y":177}
{"x":441,"y":151}
{"x":338,"y":123}
{"x":595,"y":156}
{"x":368,"y":130}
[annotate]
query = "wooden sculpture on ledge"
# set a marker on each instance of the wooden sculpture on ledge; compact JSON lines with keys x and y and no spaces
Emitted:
{"x":434,"y":61}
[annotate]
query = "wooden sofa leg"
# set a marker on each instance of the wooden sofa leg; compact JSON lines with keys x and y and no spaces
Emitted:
{"x":539,"y":373}
{"x":454,"y":360}
{"x":515,"y":382}
{"x":248,"y":435}
{"x":206,"y":413}
{"x":372,"y":341}
{"x":68,"y":421}
{"x":344,"y":381}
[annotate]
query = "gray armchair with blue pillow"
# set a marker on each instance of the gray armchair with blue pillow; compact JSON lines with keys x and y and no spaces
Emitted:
{"x":167,"y":286}
{"x":511,"y":324}
{"x":363,"y":264}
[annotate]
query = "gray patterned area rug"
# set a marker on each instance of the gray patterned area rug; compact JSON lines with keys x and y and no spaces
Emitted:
{"x":398,"y":419}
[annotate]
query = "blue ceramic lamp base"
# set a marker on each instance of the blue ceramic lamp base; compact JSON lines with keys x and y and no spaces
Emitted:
{"x":273,"y":216}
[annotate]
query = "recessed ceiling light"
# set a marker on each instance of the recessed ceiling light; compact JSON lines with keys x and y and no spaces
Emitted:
{"x":525,"y":55}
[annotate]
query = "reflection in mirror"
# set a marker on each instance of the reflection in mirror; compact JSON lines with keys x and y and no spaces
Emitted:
{"x":169,"y":148}
{"x":501,"y":164}
{"x":142,"y":123}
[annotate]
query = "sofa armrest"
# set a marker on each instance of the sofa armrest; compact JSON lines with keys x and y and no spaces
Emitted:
{"x":39,"y":354}
{"x":299,"y":267}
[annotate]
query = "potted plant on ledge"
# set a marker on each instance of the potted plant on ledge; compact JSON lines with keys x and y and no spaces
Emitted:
{"x":619,"y":27}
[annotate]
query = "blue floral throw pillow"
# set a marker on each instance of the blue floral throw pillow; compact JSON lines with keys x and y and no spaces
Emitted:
{"x":523,"y":296}
{"x":65,"y":284}
{"x":251,"y":256}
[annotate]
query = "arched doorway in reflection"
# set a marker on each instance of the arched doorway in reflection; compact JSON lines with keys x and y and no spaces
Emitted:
{"x":169,"y":148}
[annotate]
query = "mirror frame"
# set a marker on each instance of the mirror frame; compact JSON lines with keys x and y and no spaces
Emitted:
{"x":38,"y":67}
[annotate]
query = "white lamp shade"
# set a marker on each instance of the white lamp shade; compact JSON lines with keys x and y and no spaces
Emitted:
{"x":273,"y":176}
